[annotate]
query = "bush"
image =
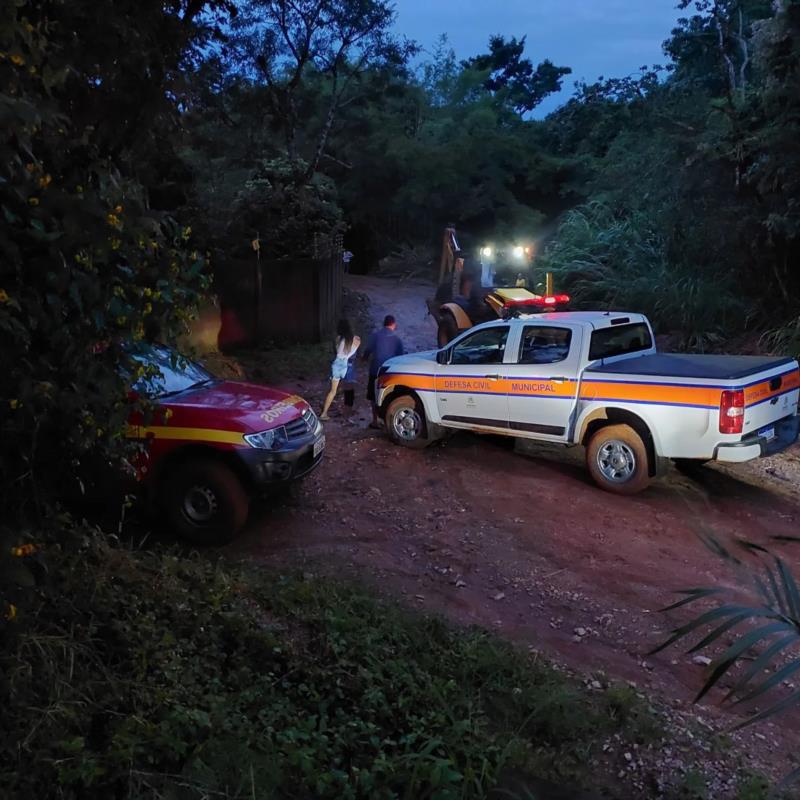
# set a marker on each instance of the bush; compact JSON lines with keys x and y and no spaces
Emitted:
{"x":621,"y":263}
{"x":86,"y":268}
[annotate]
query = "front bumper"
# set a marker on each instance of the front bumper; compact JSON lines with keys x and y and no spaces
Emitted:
{"x":755,"y":446}
{"x":270,"y":467}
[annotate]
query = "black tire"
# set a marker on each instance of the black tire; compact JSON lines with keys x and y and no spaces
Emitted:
{"x":406,"y":423}
{"x":204,"y":501}
{"x":618,"y":461}
{"x":448,"y":329}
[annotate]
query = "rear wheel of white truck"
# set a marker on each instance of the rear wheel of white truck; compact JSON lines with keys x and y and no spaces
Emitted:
{"x":617,"y":460}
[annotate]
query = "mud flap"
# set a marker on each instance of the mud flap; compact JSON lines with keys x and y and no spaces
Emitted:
{"x":661,"y":467}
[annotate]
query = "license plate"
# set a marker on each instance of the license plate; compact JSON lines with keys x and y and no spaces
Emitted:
{"x":767,"y":433}
{"x":319,"y":446}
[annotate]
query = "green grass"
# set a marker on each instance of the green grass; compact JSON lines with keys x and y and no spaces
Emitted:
{"x":754,"y":787}
{"x":155,"y":675}
{"x":134,"y":674}
{"x":693,"y":786}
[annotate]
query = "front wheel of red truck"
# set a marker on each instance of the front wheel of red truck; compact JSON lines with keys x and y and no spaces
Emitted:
{"x":617,"y":460}
{"x":204,"y":501}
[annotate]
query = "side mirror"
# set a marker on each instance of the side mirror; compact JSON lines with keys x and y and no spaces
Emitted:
{"x":443,"y":356}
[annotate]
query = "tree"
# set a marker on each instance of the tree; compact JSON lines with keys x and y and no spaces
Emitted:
{"x":282,"y":43}
{"x":293,"y":219}
{"x":513,"y":78}
{"x":773,"y":147}
{"x":87,"y":267}
{"x":714,"y":46}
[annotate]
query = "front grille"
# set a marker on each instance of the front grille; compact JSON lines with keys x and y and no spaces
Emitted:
{"x":296,"y":429}
{"x":301,"y":427}
{"x":311,"y":419}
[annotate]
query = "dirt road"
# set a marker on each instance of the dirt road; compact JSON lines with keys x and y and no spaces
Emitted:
{"x":525,"y":545}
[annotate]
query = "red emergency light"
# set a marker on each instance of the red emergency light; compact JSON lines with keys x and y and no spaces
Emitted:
{"x":546,"y":301}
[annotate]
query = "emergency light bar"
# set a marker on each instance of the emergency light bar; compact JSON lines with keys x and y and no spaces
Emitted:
{"x":508,"y":302}
{"x":548,"y":301}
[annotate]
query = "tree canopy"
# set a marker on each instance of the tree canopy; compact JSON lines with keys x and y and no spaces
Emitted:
{"x":139,"y":137}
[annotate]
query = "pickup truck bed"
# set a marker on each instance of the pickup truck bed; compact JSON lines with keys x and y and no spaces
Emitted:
{"x":702,"y":367}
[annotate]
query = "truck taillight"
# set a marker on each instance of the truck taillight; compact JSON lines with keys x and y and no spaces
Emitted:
{"x":731,"y":412}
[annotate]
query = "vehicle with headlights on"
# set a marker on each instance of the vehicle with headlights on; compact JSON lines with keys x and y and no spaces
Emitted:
{"x":210,"y":445}
{"x":501,"y":264}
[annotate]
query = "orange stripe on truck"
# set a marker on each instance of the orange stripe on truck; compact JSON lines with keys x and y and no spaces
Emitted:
{"x":651,"y":393}
{"x":591,"y":389}
{"x":762,"y":391}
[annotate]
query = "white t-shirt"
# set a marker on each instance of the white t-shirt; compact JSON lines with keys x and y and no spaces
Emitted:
{"x":343,"y":352}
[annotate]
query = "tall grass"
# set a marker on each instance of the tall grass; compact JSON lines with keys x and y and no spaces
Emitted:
{"x":621,"y":262}
{"x":784,"y":340}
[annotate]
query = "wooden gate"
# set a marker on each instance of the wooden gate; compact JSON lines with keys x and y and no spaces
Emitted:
{"x":289,"y":300}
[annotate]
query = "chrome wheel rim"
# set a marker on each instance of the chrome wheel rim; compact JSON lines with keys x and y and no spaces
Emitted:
{"x":200,"y":504}
{"x":407,"y":424}
{"x":616,"y":461}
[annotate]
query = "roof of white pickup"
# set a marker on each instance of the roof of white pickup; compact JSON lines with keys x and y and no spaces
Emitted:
{"x":597,"y":319}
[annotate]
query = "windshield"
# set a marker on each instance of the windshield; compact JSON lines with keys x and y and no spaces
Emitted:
{"x":620,"y":340}
{"x":175,"y":372}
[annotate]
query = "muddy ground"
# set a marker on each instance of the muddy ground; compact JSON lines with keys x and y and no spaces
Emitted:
{"x":526,"y":545}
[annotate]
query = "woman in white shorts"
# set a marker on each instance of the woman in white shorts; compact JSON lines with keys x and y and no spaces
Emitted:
{"x":346,"y":346}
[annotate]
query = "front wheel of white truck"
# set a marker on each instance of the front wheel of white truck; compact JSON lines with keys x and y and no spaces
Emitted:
{"x":617,"y":460}
{"x":406,"y":423}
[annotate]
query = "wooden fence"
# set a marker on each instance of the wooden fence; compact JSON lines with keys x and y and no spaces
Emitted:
{"x":297,"y":300}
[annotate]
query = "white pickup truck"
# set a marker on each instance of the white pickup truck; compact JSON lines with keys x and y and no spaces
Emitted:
{"x":594,"y":379}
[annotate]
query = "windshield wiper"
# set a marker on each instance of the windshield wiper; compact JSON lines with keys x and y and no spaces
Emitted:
{"x":189,"y":388}
{"x":204,"y":382}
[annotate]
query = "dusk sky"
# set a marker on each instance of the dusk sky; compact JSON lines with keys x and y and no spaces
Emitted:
{"x":595,"y":37}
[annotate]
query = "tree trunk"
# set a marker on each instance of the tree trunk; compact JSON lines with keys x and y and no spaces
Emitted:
{"x":323,"y":138}
{"x":291,"y":129}
{"x":726,"y":59}
{"x":745,"y":55}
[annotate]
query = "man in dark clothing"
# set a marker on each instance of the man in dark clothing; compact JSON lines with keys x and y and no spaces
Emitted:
{"x":383,"y":345}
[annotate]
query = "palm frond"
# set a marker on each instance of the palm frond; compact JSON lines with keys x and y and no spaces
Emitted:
{"x":731,"y":655}
{"x":789,"y":588}
{"x":759,"y":664}
{"x":769,"y":599}
{"x":712,"y":616}
{"x":692,"y":596}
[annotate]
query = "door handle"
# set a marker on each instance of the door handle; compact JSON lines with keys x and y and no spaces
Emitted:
{"x":492,"y":377}
{"x":559,"y":379}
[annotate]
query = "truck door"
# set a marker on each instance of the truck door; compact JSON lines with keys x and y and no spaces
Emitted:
{"x":470,"y":390}
{"x":543,"y":380}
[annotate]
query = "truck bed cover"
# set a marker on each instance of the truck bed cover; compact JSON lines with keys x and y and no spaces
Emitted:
{"x":684,"y":365}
